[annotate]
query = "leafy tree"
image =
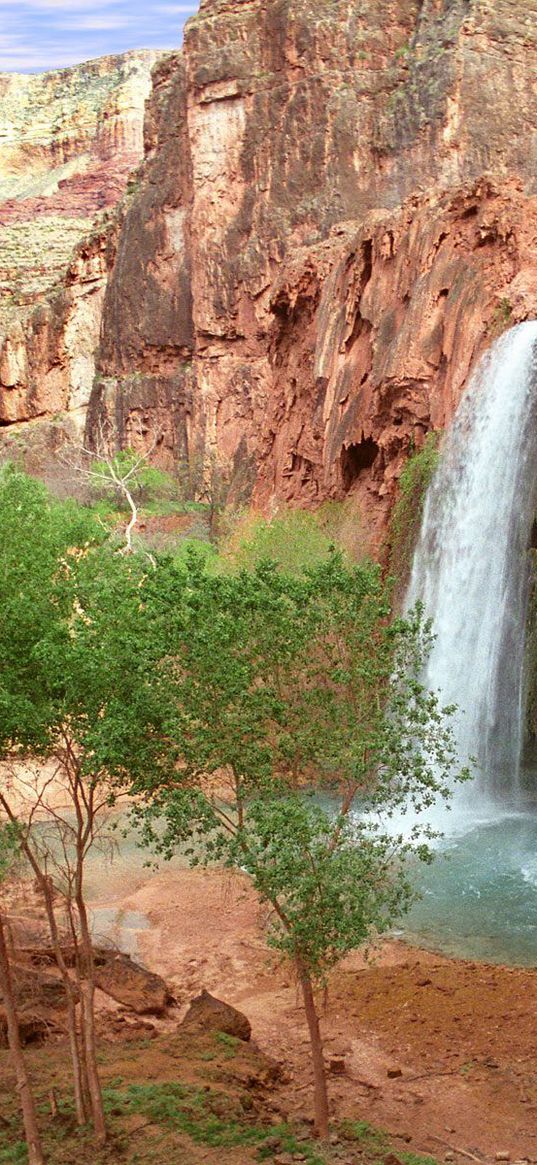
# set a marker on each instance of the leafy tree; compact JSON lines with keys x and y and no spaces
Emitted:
{"x":273,"y":684}
{"x":72,"y":692}
{"x":124,"y":474}
{"x":34,"y":534}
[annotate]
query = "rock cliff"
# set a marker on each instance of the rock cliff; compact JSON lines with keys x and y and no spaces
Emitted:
{"x":68,"y":142}
{"x":336,"y":212}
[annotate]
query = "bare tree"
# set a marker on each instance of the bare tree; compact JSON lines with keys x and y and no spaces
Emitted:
{"x":204,"y":479}
{"x":60,"y":816}
{"x":9,"y":1000}
{"x":116,"y":472}
{"x":31,"y":1131}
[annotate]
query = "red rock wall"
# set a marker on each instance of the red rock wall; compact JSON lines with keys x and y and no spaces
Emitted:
{"x":68,"y":143}
{"x":376,"y":331}
{"x":335,"y":214}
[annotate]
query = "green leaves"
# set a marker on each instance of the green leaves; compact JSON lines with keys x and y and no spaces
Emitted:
{"x":9,"y":848}
{"x":275,"y":684}
{"x":220,"y":700}
{"x":332,"y":883}
{"x":37,"y":537}
{"x":75,"y":647}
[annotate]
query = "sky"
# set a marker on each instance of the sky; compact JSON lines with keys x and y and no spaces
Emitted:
{"x":36,"y":35}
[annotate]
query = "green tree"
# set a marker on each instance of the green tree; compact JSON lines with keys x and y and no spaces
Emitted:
{"x":72,"y":692}
{"x":272,"y":685}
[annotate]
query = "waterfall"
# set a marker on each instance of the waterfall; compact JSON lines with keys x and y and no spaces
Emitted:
{"x":472,"y":568}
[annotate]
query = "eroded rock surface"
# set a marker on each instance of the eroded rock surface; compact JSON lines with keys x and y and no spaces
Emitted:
{"x":336,"y":213}
{"x":210,"y":1014}
{"x":69,"y":141}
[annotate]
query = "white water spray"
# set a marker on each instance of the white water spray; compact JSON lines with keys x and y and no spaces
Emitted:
{"x":472,"y":567}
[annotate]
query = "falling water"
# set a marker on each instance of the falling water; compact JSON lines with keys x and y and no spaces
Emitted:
{"x":472,"y":567}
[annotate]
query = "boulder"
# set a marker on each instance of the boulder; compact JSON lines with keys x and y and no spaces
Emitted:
{"x":125,"y":981}
{"x":40,"y":988}
{"x":210,"y":1014}
{"x":115,"y":973}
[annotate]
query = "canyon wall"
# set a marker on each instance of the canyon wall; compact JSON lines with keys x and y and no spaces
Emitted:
{"x":69,"y":141}
{"x":336,"y":212}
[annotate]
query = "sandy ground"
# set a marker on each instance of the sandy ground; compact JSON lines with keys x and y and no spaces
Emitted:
{"x":440,"y":1052}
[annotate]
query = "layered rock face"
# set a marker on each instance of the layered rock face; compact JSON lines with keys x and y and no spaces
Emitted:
{"x":68,"y":143}
{"x":336,"y":213}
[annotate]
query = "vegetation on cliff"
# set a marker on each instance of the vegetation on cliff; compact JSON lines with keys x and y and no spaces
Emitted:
{"x":405,"y":521}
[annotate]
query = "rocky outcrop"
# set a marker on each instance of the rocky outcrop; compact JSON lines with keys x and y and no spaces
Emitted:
{"x":115,"y":973}
{"x":130,"y":984}
{"x":376,"y":331}
{"x":209,"y":1014}
{"x":69,"y":141}
{"x":335,"y":214}
{"x":328,"y":231}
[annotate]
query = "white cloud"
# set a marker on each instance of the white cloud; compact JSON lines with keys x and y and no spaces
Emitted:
{"x":52,"y":34}
{"x":102,"y":23}
{"x":175,"y":9}
{"x":53,"y":6}
{"x":28,"y":60}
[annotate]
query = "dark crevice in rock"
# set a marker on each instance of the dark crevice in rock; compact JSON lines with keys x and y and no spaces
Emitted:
{"x":355,"y":458}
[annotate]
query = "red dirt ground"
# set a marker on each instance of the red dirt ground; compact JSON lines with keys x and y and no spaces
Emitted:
{"x":461,"y":1034}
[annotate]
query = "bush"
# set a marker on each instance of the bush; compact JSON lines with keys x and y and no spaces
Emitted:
{"x":295,"y":541}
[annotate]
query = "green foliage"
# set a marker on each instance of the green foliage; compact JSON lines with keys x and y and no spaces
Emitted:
{"x":205,"y":552}
{"x":295,"y":541}
{"x":333,"y":889}
{"x":228,"y":1041}
{"x":407,"y":512}
{"x":369,"y":1137}
{"x":37,"y":534}
{"x":275,"y":682}
{"x":73,"y":639}
{"x":376,"y":1143}
{"x":148,"y":484}
{"x":208,"y":1116}
{"x":402,"y":52}
{"x":9,"y":848}
{"x":219,"y":698}
{"x":16,"y":1154}
{"x":417,"y":1159}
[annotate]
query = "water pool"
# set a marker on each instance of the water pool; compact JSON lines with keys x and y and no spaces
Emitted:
{"x":479,"y":896}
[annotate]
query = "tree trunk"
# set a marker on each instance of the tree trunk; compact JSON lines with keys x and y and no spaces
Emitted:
{"x":87,"y":997}
{"x":31,"y":1132}
{"x":320,"y":1093}
{"x":77,"y":1065}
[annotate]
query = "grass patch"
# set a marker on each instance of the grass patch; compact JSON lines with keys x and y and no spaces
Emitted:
{"x":229,"y":1043}
{"x":375,"y":1144}
{"x":207,"y":1116}
{"x":371,"y":1140}
{"x":16,"y":1154}
{"x":502,"y":317}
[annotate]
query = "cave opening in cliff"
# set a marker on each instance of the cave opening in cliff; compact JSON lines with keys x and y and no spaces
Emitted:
{"x":355,"y":458}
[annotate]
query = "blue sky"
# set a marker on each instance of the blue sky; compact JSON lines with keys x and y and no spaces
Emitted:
{"x":48,"y":34}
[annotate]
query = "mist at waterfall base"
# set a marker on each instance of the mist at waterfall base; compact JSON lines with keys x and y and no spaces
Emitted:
{"x":472,"y":572}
